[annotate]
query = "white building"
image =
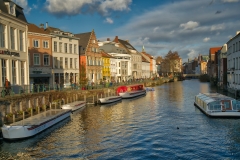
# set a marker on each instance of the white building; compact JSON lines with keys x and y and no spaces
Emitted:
{"x":65,"y":57}
{"x":122,"y":59}
{"x":145,"y":68}
{"x":233,"y":63}
{"x":13,"y":45}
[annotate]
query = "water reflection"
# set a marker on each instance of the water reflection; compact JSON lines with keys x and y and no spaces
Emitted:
{"x":140,"y":128}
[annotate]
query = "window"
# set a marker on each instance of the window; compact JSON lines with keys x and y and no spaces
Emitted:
{"x":35,"y":44}
{"x":12,"y":37}
{"x":55,"y":62}
{"x":36,"y":59}
{"x":45,"y":44}
{"x":55,"y":46}
{"x":75,"y":62}
{"x":71,"y":65}
{"x":75,"y":48}
{"x":2,"y":35}
{"x":61,"y":62}
{"x":21,"y":40}
{"x":46,"y":60}
{"x":60,"y":46}
{"x":22,"y":72}
{"x":233,"y":48}
{"x":70,"y":48}
{"x":14,"y":72}
{"x":65,"y":47}
{"x":4,"y":70}
{"x":66,"y":63}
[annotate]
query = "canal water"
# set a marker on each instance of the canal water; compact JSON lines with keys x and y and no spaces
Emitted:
{"x":164,"y":124}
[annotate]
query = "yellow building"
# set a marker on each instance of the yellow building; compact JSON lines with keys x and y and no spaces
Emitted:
{"x":106,"y":66}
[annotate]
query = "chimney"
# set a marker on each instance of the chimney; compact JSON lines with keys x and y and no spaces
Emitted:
{"x":46,"y":25}
{"x":237,"y":32}
{"x":127,"y":40}
{"x":108,"y":39}
{"x":116,"y":39}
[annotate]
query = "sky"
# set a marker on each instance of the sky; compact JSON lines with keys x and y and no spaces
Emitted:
{"x":189,"y":27}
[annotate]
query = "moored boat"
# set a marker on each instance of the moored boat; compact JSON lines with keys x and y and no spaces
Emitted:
{"x":74,"y":105}
{"x":111,"y":99}
{"x":33,"y":125}
{"x":131,"y":91}
{"x":218,"y":105}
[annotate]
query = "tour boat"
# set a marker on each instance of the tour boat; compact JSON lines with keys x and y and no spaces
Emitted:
{"x":131,"y":91}
{"x":35,"y":124}
{"x":111,"y":99}
{"x":217,"y":105}
{"x":74,"y":105}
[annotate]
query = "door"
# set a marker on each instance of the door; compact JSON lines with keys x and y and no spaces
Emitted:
{"x":226,"y":104}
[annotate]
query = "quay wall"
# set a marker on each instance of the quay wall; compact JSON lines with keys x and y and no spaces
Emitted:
{"x":17,"y":107}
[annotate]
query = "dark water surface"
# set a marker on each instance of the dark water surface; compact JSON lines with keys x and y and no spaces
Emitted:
{"x":142,"y":128}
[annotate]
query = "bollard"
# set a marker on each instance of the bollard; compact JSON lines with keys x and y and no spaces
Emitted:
{"x":93,"y":99}
{"x":31,"y":112}
{"x":13,"y":118}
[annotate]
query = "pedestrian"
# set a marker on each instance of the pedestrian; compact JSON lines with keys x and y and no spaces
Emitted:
{"x":7,"y":86}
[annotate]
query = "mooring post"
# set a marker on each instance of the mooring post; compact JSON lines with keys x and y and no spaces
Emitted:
{"x":50,"y":106}
{"x":31,"y":112}
{"x":85,"y":98}
{"x":13,"y":118}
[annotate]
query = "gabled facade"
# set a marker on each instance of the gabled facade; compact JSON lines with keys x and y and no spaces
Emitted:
{"x":13,"y":45}
{"x":233,"y":63}
{"x":40,"y":55}
{"x":90,"y":56}
{"x":145,"y":68}
{"x":121,"y":59}
{"x":136,"y":58}
{"x":106,"y":66}
{"x":65,"y":67}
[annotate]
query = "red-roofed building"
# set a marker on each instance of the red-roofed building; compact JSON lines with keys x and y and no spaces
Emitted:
{"x":212,"y":63}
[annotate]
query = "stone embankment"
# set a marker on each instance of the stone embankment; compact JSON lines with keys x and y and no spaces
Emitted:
{"x":17,"y":107}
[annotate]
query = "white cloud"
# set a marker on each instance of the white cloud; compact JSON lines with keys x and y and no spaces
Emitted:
{"x":116,"y":5}
{"x":217,"y":27}
{"x":192,"y":54}
{"x":109,"y":20}
{"x":24,"y":5}
{"x":230,"y":1}
{"x":189,"y":25}
{"x":155,"y":29}
{"x":74,"y":7}
{"x":206,"y":39}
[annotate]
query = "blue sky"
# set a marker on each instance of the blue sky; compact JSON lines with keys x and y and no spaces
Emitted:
{"x":190,"y":27}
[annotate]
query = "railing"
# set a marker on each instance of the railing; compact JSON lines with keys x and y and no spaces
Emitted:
{"x":38,"y":88}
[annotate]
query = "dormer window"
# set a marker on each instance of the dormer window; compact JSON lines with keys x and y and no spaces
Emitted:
{"x":11,"y":8}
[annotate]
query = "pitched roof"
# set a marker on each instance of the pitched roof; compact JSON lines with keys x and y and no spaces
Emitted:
{"x":19,"y":10}
{"x":148,"y":55}
{"x":84,"y":38}
{"x":144,"y":60}
{"x":36,"y":29}
{"x":125,"y":43}
{"x":104,"y":54}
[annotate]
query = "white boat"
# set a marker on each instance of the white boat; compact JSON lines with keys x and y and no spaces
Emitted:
{"x":111,"y":99}
{"x":131,"y":91}
{"x":217,"y":105}
{"x":33,"y":125}
{"x":74,"y":105}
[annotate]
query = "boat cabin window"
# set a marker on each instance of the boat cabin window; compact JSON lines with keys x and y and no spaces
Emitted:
{"x":215,"y":106}
{"x":236,"y":105}
{"x":227,"y":104}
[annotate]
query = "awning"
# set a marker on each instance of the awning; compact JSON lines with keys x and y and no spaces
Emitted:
{"x":39,"y":75}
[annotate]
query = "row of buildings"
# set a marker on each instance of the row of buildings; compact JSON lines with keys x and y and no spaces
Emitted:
{"x":222,"y":64}
{"x":46,"y":55}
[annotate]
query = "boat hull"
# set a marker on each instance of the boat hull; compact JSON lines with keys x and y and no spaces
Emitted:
{"x":108,"y":100}
{"x":219,"y":114}
{"x":74,"y":106}
{"x":17,"y":131}
{"x":131,"y":94}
